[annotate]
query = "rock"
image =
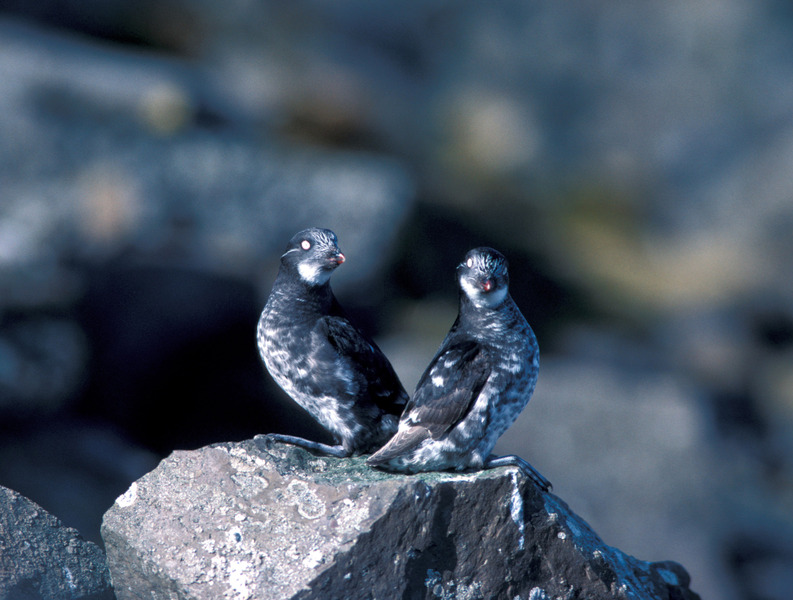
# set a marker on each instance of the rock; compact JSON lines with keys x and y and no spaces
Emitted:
{"x":212,"y":197}
{"x":261,"y":520}
{"x":40,"y":558}
{"x":72,"y":468}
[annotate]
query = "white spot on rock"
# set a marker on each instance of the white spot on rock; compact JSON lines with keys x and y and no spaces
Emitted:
{"x":129,"y":497}
{"x":67,"y":574}
{"x":516,"y":510}
{"x":350,"y":517}
{"x":241,"y":578}
{"x":313,"y":559}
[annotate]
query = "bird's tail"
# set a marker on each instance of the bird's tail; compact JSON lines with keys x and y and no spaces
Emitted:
{"x":398,"y":446}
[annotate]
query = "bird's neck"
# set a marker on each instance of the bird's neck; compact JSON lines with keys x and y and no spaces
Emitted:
{"x":299,"y":296}
{"x":488,"y":322}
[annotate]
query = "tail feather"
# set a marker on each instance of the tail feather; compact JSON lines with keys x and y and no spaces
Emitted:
{"x":403,"y":442}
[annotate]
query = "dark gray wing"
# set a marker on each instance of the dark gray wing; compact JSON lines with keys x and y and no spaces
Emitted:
{"x":365,"y":363}
{"x":449,"y":386}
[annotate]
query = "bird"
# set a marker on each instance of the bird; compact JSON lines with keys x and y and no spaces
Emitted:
{"x":320,"y":359}
{"x":476,"y":385}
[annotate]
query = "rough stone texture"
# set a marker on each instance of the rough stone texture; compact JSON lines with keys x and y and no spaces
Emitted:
{"x":40,"y":558}
{"x":262,"y":520}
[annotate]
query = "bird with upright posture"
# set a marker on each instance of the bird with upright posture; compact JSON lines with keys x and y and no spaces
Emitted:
{"x":318,"y":357}
{"x":476,"y":385}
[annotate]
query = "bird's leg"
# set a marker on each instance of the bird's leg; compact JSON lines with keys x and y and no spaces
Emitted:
{"x":337,"y":451}
{"x":516,"y":461}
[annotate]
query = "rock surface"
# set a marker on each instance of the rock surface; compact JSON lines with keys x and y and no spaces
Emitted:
{"x":262,"y":520}
{"x":40,"y":558}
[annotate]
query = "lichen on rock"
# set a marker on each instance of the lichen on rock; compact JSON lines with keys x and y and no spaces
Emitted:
{"x":257,"y":519}
{"x":42,"y":558}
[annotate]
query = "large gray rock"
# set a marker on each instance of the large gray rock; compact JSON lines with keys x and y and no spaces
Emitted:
{"x":261,"y":520}
{"x":41,"y":559}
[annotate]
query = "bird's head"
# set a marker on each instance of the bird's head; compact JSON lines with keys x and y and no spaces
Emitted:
{"x":314,"y":254}
{"x":483,"y":277}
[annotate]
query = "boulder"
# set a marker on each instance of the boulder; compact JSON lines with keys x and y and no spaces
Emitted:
{"x":257,"y":519}
{"x":41,"y":559}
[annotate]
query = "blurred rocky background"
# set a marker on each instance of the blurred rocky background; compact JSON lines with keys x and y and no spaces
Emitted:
{"x":634,"y":162}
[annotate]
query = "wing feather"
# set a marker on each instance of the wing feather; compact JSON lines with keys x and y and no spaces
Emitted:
{"x":449,"y":386}
{"x":403,"y":442}
{"x":365,"y":363}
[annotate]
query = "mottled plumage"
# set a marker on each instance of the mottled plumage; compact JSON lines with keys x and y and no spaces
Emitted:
{"x":320,"y":359}
{"x":476,"y":385}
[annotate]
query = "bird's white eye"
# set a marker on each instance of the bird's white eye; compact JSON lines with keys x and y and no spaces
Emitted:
{"x":305,"y":244}
{"x":470,"y":262}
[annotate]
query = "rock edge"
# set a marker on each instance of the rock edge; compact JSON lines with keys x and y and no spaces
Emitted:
{"x":261,"y":520}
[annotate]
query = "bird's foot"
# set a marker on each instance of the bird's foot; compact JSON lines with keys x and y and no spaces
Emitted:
{"x":516,"y":461}
{"x":325,"y":449}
